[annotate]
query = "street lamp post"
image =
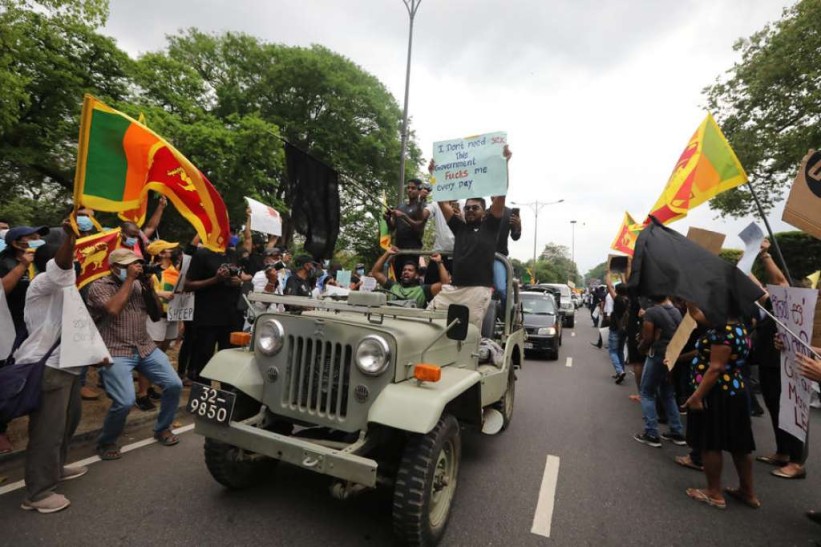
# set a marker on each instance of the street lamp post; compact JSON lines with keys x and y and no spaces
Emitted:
{"x":412,"y":6}
{"x":536,"y":206}
{"x":573,"y":245}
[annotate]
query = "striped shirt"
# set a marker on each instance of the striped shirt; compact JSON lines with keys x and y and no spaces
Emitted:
{"x":126,"y":332}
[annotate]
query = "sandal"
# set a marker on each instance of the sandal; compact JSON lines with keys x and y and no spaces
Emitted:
{"x":686,"y":461}
{"x":783,"y":475}
{"x":702,"y":497}
{"x":109,"y":452}
{"x":769,"y":460}
{"x":737,"y":494}
{"x":166,"y":438}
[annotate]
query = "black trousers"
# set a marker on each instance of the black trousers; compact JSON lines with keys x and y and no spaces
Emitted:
{"x":770,"y":381}
{"x":206,"y":341}
{"x":186,"y":349}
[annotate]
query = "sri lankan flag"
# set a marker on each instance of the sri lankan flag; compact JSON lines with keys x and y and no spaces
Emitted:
{"x":120,"y":160}
{"x":707,"y":167}
{"x":625,"y":241}
{"x":91,"y":255}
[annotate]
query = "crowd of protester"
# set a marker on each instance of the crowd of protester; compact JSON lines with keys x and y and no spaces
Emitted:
{"x":714,"y":383}
{"x":129,"y":306}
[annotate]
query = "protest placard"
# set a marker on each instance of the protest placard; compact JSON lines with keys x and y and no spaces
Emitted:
{"x":368,"y":283}
{"x":264,"y":218}
{"x":470,"y":167}
{"x":752,"y":236}
{"x":617,"y":263}
{"x":81,"y":343}
{"x":712,"y":241}
{"x":343,"y":279}
{"x":181,"y":307}
{"x":679,"y":340}
{"x":795,"y":308}
{"x":803,"y":208}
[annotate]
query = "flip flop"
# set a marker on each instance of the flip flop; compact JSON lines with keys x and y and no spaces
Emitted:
{"x":109,"y":452}
{"x":737,"y":494}
{"x":166,"y":438}
{"x":769,"y":460}
{"x":702,"y":497}
{"x":781,"y":475}
{"x":685,"y":461}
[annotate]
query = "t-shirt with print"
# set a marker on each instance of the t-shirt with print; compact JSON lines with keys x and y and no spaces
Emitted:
{"x":731,"y":380}
{"x":420,"y":293}
{"x":664,"y":318}
{"x":474,"y":251}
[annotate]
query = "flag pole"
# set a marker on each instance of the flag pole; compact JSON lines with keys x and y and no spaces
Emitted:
{"x":770,"y":231}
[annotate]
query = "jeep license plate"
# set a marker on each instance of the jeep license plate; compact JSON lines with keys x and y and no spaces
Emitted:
{"x":528,"y":345}
{"x":213,"y":405}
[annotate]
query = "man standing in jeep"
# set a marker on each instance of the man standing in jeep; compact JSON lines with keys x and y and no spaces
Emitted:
{"x":408,"y":287}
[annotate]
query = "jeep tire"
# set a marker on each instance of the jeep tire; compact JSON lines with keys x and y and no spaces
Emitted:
{"x":426,"y":484}
{"x":508,"y":400}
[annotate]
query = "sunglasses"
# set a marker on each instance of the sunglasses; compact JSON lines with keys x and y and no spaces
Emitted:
{"x":472,"y":207}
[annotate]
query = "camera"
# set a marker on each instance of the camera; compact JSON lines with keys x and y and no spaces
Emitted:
{"x":233,"y":270}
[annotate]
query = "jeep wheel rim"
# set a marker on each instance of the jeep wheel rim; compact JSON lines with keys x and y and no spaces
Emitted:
{"x":443,"y":485}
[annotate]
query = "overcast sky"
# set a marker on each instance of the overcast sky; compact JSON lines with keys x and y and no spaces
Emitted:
{"x":598,"y":98}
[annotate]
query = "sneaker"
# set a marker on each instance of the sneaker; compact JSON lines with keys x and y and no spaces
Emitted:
{"x":50,"y":504}
{"x":620,"y":378}
{"x":75,"y":472}
{"x":644,"y":438}
{"x":675,"y":438}
{"x":145,"y":404}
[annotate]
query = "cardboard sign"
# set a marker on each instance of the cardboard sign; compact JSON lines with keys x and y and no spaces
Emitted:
{"x":368,"y":283}
{"x":803,"y":209}
{"x":816,"y":329}
{"x":470,"y":167}
{"x":712,"y":241}
{"x":7,"y":333}
{"x":343,"y":279}
{"x":617,"y":263}
{"x":679,"y":340}
{"x":264,"y":218}
{"x":81,"y":342}
{"x":181,"y":307}
{"x":796,"y":309}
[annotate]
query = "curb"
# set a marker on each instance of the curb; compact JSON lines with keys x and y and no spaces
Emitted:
{"x":90,"y":435}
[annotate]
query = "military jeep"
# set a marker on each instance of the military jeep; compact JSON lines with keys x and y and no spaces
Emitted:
{"x":368,"y":393}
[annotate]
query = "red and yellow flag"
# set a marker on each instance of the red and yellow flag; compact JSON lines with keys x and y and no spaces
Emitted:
{"x":120,"y":160}
{"x":91,"y":253}
{"x":625,"y":241}
{"x":707,"y":167}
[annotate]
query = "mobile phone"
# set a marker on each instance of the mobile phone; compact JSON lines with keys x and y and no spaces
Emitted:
{"x":515,"y":211}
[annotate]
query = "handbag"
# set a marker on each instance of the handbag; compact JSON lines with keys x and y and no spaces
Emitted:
{"x":21,"y":386}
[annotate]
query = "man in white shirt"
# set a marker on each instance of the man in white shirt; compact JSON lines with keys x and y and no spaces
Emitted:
{"x":53,"y":424}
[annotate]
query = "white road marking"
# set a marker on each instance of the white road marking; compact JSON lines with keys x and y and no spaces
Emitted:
{"x":572,"y":334}
{"x":569,"y":362}
{"x":94,"y":459}
{"x":543,"y":518}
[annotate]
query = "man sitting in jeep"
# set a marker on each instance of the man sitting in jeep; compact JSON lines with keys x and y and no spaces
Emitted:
{"x":408,"y":287}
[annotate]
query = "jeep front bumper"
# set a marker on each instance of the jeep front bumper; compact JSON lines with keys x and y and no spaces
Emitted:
{"x":302,"y":453}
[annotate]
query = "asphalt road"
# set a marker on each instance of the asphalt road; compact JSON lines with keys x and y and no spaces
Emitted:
{"x":610,"y":490}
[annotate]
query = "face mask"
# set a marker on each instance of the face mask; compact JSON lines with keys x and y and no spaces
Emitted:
{"x":2,"y":245}
{"x":3,"y":233}
{"x":130,"y":241}
{"x":360,"y":271}
{"x":35,"y":243}
{"x":122,"y":273}
{"x":84,"y":223}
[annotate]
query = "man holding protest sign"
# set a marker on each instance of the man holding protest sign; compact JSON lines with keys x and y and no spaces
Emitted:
{"x":474,"y":251}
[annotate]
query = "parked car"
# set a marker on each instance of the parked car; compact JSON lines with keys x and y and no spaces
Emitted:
{"x":567,"y":309}
{"x":542,"y":324}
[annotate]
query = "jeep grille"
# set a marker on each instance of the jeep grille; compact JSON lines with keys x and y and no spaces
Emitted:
{"x":318,"y":377}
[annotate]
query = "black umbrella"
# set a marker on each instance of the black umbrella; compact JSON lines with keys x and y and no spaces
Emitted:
{"x":667,"y":263}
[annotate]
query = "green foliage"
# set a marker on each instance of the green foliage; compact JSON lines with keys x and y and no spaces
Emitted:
{"x":769,"y":105}
{"x":731,"y":255}
{"x":802,"y":252}
{"x":553,"y":266}
{"x":596,"y":273}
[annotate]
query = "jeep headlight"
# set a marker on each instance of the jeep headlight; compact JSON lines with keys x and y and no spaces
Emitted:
{"x":547,"y":331}
{"x":270,"y":336}
{"x":372,"y":355}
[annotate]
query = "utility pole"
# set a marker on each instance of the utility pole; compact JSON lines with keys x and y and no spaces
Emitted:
{"x":573,"y":245}
{"x":412,"y":6}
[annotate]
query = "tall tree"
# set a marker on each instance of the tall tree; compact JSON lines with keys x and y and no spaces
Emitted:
{"x":769,"y":104}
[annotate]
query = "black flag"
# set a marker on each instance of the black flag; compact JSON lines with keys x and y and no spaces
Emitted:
{"x":313,"y":195}
{"x":667,"y":263}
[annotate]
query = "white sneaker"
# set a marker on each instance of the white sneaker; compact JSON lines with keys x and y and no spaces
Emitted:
{"x":50,"y":504}
{"x":75,"y":472}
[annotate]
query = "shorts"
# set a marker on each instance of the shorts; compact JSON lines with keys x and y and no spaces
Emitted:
{"x":161,"y":330}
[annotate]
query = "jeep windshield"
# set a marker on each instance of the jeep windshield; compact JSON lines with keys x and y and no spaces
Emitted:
{"x":537,"y":305}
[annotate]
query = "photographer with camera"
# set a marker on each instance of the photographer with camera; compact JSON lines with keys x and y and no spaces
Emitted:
{"x":216,"y":281}
{"x":121,"y":303}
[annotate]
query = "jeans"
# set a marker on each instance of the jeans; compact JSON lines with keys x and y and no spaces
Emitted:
{"x":119,"y":386}
{"x":655,"y":381}
{"x":500,"y":280}
{"x":616,"y":342}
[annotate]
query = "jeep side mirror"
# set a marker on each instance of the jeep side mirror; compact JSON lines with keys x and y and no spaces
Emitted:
{"x":461,"y":315}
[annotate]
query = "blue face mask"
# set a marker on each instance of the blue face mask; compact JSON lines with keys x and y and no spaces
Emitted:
{"x":35,"y":243}
{"x":122,"y":273}
{"x":84,"y":223}
{"x":130,"y":241}
{"x":360,"y":271}
{"x":2,"y":245}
